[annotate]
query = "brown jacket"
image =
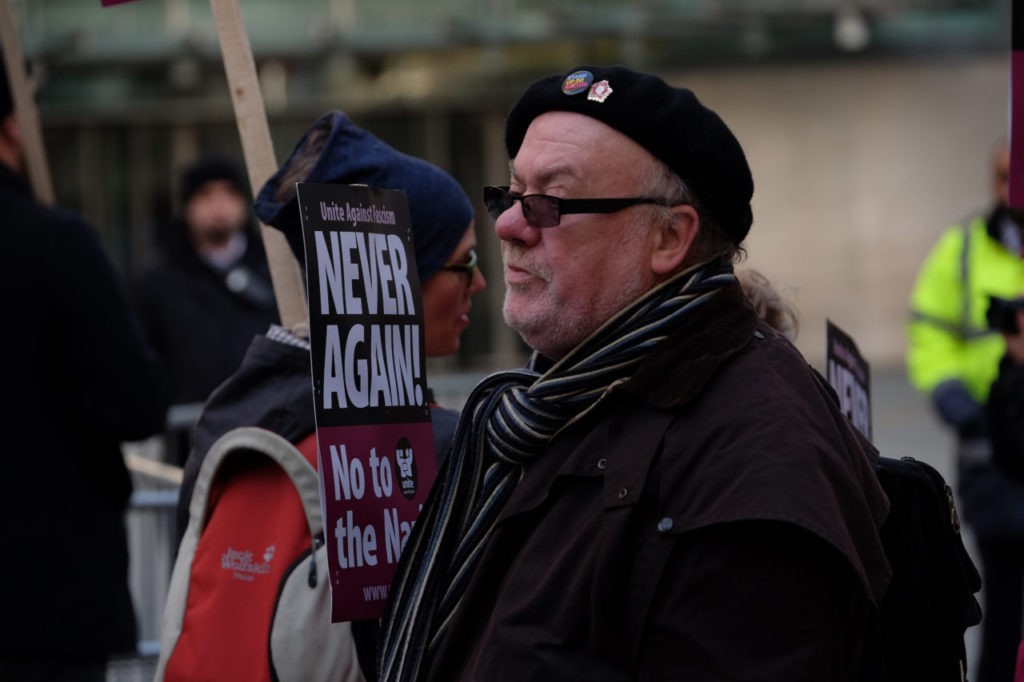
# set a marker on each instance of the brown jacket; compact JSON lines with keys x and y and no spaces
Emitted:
{"x":714,"y":518}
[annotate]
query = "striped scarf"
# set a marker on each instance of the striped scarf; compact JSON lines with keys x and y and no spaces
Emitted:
{"x":508,"y":420}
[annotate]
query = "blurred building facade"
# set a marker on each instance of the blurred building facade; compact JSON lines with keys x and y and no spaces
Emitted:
{"x":867,"y":123}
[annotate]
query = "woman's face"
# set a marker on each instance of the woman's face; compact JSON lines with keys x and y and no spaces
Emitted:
{"x":446,"y":300}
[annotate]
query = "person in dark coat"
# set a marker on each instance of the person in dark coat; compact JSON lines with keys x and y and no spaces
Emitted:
{"x":1003,"y":554}
{"x":79,"y":381}
{"x":207,"y":292}
{"x":666,"y":491}
{"x":1006,"y":406}
{"x":953,"y":356}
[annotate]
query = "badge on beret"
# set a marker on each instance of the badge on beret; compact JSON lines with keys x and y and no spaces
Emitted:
{"x":599,"y":92}
{"x":576,"y":82}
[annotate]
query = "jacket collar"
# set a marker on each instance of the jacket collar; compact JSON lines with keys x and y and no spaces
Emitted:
{"x":675,"y":372}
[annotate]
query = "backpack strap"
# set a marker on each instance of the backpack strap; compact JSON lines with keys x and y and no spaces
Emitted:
{"x":266,"y":443}
{"x":241,"y":439}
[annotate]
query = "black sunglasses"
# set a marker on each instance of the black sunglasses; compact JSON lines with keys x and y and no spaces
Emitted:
{"x":469,"y":267}
{"x":542,"y":210}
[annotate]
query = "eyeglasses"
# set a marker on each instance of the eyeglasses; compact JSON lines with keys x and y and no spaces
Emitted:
{"x":542,"y":210}
{"x":469,"y":267}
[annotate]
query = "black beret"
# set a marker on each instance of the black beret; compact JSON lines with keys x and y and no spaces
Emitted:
{"x":668,"y":122}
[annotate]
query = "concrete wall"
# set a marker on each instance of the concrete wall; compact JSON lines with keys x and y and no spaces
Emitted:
{"x":858,"y":167}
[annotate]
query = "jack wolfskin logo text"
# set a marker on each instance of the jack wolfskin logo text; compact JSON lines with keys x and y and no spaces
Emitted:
{"x":242,"y":566}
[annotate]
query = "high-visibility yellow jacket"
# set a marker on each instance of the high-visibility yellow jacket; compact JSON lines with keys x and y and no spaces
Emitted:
{"x":948,"y":337}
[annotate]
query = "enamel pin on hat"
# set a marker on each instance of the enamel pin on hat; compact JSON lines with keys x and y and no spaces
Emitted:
{"x":599,"y":91}
{"x":577,"y":82}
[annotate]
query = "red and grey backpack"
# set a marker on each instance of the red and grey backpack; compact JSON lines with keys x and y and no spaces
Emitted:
{"x":249,"y":597}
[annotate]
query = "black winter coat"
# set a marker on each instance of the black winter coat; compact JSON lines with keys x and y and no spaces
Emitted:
{"x":200,"y":321}
{"x":1006,"y":419}
{"x":714,"y":517}
{"x":78,"y":381}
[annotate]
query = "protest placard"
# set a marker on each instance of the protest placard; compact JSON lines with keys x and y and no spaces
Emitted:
{"x":850,"y":376}
{"x":375,"y":438}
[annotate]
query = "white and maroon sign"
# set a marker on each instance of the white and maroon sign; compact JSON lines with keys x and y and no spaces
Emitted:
{"x":376,"y":445}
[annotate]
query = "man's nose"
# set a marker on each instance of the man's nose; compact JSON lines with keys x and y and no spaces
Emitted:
{"x":511,"y":226}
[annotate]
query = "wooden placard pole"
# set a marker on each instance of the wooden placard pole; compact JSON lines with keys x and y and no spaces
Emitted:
{"x":25,"y":108}
{"x":259,"y":153}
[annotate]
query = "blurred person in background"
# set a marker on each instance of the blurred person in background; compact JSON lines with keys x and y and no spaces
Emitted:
{"x":207,"y":292}
{"x":1006,"y":420}
{"x":80,"y":380}
{"x":953,"y":357}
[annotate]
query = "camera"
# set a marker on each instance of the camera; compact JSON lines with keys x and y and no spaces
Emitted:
{"x":1002,"y":314}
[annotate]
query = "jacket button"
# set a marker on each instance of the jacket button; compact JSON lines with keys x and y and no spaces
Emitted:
{"x":665,"y":525}
{"x":602,"y":464}
{"x":623,"y":493}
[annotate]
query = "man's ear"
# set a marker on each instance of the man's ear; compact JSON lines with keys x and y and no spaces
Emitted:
{"x":675,"y":240}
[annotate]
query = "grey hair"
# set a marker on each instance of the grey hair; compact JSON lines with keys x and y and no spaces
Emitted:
{"x":712,"y":240}
{"x":771,"y":306}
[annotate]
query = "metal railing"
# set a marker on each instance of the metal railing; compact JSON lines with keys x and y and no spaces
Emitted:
{"x":152,"y":542}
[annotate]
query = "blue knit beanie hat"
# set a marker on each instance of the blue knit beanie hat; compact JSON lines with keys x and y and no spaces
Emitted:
{"x":339,"y":152}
